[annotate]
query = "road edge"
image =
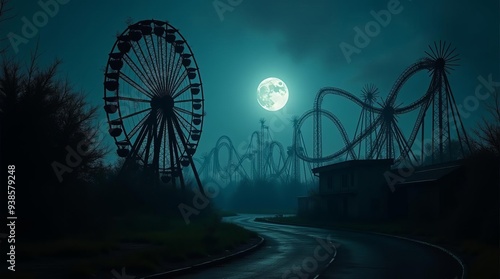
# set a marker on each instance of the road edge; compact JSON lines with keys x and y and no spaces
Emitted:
{"x":207,"y":264}
{"x":454,"y":256}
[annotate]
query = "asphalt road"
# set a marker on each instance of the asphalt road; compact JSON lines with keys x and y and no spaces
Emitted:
{"x":298,"y":252}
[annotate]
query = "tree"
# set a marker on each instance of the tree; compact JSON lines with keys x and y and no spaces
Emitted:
{"x":43,"y":120}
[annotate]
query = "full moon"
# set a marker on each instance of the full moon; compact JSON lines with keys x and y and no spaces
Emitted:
{"x":272,"y":94}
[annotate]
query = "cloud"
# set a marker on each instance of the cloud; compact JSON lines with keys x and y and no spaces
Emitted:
{"x":315,"y":28}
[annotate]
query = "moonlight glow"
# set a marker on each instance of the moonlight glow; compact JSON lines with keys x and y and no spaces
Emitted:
{"x":272,"y":94}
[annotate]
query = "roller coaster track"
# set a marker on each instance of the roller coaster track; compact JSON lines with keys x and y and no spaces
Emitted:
{"x":274,"y":167}
{"x":388,"y":136}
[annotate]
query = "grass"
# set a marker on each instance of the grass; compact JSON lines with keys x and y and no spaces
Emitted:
{"x":74,"y":246}
{"x":164,"y":240}
{"x":483,"y":262}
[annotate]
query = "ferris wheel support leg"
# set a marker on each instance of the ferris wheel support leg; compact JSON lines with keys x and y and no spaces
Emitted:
{"x":138,"y":142}
{"x":181,"y":175}
{"x":171,"y":139}
{"x":190,"y":157}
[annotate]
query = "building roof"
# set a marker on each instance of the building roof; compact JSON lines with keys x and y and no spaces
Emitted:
{"x":430,"y":173}
{"x":354,"y":163}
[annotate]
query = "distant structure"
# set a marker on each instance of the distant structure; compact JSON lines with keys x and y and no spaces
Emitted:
{"x":378,"y":135}
{"x":263,"y":158}
{"x":153,"y":98}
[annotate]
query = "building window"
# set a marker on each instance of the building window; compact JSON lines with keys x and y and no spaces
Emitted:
{"x":329,"y":182}
{"x":344,"y":181}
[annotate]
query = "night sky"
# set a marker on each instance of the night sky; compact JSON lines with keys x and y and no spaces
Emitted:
{"x":296,"y":41}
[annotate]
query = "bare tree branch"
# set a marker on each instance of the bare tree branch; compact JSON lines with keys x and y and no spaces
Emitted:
{"x":488,"y":130}
{"x":4,"y":9}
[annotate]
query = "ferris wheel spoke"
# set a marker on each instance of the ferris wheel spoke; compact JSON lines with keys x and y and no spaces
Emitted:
{"x":185,"y":111}
{"x":185,"y":122}
{"x":134,"y":99}
{"x":139,"y":53}
{"x":135,"y":113}
{"x":138,"y":126}
{"x":179,"y":81}
{"x":161,"y":63}
{"x":161,"y":67}
{"x":146,"y":65}
{"x":170,"y":70}
{"x":140,"y":74}
{"x":184,"y":142}
{"x":175,"y":73}
{"x":180,"y":92}
{"x":189,"y":101}
{"x":168,"y":66}
{"x":153,"y":66}
{"x":134,"y":84}
{"x":154,"y":57}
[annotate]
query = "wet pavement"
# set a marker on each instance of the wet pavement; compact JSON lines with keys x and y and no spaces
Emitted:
{"x":300,"y":252}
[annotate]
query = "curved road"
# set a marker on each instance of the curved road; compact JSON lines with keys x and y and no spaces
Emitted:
{"x":299,"y":252}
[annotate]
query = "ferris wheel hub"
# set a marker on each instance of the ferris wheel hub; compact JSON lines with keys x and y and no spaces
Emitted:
{"x":163,"y":103}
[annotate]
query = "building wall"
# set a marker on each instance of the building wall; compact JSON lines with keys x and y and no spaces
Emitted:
{"x":369,"y":197}
{"x":356,"y":192}
{"x":423,"y":202}
{"x":373,"y":193}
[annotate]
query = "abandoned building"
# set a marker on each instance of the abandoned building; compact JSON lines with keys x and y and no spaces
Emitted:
{"x":353,"y":189}
{"x":428,"y":193}
{"x":359,"y":190}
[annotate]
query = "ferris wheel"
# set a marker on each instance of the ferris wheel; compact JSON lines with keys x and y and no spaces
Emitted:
{"x":154,"y":101}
